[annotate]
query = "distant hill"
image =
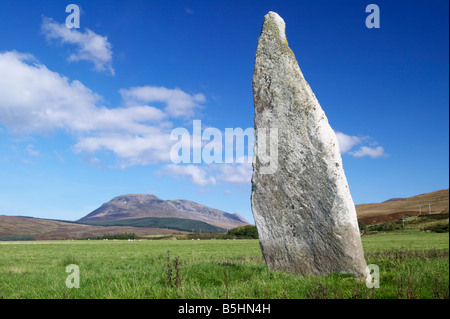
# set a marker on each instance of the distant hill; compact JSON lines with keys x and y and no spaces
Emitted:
{"x":394,"y":208}
{"x":393,"y":199}
{"x":181,"y":224}
{"x":135,"y":206}
{"x":43,"y":229}
{"x":146,"y":215}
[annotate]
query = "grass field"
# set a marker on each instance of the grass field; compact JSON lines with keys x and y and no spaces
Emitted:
{"x":412,"y":265}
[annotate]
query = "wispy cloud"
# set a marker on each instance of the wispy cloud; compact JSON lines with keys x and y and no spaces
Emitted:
{"x":237,"y":174}
{"x":212,"y":174}
{"x":59,"y":157}
{"x":179,"y":103}
{"x":374,"y":152}
{"x":198,"y":175}
{"x":89,"y":46}
{"x":348,"y":142}
{"x":32,"y":151}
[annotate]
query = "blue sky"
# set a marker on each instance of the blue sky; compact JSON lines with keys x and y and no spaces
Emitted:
{"x":85,"y":113}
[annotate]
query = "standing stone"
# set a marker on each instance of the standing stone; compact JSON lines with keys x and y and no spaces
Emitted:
{"x":304,"y":213}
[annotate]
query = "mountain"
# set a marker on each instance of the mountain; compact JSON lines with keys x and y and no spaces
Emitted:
{"x":394,"y":208}
{"x":134,"y":206}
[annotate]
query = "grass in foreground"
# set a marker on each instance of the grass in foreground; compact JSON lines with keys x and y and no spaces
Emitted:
{"x":412,"y":265}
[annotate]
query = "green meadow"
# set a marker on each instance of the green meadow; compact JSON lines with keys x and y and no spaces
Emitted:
{"x":413,"y":265}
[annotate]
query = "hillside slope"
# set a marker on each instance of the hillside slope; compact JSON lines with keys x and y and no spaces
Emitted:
{"x":41,"y":229}
{"x":134,"y":206}
{"x":393,"y":209}
{"x":181,"y":224}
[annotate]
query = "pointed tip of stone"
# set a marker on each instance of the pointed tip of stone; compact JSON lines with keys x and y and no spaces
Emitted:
{"x":273,"y":15}
{"x":271,"y":19}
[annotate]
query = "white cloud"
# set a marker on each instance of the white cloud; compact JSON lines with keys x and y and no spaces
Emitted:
{"x":235,"y":174}
{"x":198,"y":175}
{"x":90,"y":46}
{"x":129,"y":148}
{"x":369,"y":151}
{"x":238,"y":174}
{"x":346,"y":142}
{"x":178,"y":103}
{"x":126,"y":120}
{"x":35,"y":100}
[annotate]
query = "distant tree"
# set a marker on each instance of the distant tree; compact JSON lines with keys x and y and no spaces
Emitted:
{"x":119,"y":236}
{"x":17,"y":238}
{"x":243,"y":232}
{"x":362,"y":226}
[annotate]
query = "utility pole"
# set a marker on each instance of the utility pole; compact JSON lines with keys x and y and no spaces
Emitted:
{"x":429,"y":209}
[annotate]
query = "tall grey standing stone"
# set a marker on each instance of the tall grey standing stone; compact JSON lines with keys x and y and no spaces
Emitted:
{"x":304,"y":213}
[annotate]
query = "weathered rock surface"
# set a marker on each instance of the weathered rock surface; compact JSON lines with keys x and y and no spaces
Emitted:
{"x":304,"y":212}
